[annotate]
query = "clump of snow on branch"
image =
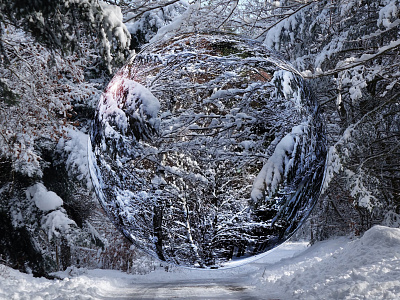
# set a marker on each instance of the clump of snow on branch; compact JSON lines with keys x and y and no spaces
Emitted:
{"x":144,"y":26}
{"x":56,"y":223}
{"x":338,"y":157}
{"x":44,"y":200}
{"x":359,"y":190}
{"x":178,"y":25}
{"x":273,"y":35}
{"x":115,"y":35}
{"x":278,"y":165}
{"x":199,"y":17}
{"x":116,"y":28}
{"x":389,"y":14}
{"x":287,"y":84}
{"x":140,"y":105}
{"x":355,"y":78}
{"x":335,"y":45}
{"x":74,"y":148}
{"x":334,"y":159}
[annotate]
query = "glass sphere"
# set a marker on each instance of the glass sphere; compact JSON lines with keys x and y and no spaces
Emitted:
{"x":207,"y":149}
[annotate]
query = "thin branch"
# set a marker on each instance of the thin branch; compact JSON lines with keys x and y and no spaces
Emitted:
{"x":360,"y":61}
{"x":279,"y":21}
{"x":230,"y":14}
{"x":149,"y":9}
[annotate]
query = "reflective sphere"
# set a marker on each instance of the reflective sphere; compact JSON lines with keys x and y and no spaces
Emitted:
{"x":207,"y":149}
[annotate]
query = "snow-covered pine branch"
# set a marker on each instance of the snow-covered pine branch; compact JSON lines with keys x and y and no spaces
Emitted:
{"x":278,"y":165}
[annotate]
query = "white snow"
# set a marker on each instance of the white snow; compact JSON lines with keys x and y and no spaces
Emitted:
{"x":139,"y":102}
{"x":173,"y":28}
{"x":388,"y":13}
{"x":278,"y":165}
{"x":157,"y":18}
{"x":75,"y":146}
{"x":56,"y":222}
{"x":113,"y":17}
{"x":44,"y":200}
{"x":151,"y":105}
{"x":113,"y":31}
{"x":342,"y":268}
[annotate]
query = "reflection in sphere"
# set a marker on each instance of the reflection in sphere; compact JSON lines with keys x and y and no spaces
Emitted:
{"x":206,"y":149}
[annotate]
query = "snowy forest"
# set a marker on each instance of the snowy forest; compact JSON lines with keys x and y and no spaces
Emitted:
{"x":265,"y":101}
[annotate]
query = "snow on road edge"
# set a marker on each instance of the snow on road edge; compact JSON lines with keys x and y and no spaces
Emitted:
{"x":362,"y":268}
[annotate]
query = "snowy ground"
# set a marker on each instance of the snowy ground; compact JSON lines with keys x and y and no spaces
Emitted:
{"x":364,"y":268}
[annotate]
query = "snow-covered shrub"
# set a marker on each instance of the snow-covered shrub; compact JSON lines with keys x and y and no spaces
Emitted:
{"x":45,"y":85}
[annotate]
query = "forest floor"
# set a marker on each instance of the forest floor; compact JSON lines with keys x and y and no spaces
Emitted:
{"x":343,"y":268}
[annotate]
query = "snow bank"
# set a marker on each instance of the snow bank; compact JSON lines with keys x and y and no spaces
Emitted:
{"x":44,"y":200}
{"x":366,"y":268}
{"x":363,"y":268}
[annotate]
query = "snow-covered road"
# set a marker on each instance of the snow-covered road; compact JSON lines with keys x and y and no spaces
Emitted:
{"x":229,"y":283}
{"x":343,"y":268}
{"x":188,"y":289}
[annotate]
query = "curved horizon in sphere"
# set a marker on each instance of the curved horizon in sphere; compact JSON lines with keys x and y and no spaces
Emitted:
{"x":207,"y":148}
